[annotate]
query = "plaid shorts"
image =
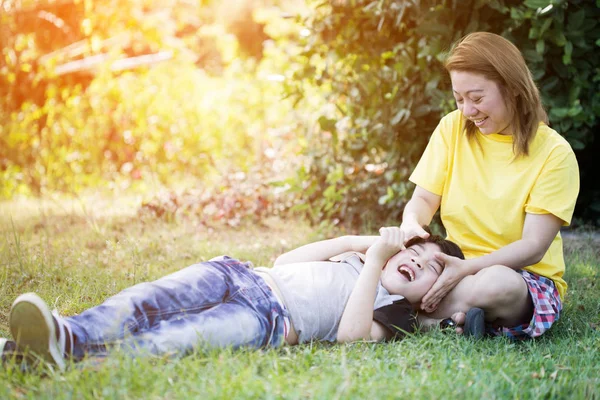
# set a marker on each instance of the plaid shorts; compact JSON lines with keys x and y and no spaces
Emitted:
{"x":546,"y":308}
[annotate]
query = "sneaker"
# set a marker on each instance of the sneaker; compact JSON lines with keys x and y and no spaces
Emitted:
{"x":10,"y":355}
{"x":37,"y":330}
{"x":448,"y":323}
{"x":8,"y":350}
{"x":475,"y":323}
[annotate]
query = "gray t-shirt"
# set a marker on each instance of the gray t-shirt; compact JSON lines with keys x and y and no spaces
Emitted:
{"x":316,"y":294}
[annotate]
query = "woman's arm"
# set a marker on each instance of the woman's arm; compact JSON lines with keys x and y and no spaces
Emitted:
{"x":325,"y":249}
{"x":357,"y":320}
{"x":419,"y":211}
{"x":539,"y":230}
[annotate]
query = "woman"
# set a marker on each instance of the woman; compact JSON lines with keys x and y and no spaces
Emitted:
{"x":505,"y":183}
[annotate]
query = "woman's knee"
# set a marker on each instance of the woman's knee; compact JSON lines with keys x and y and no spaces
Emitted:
{"x":498,"y":284}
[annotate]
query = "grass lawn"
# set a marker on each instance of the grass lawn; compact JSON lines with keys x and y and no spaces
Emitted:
{"x":75,"y":254}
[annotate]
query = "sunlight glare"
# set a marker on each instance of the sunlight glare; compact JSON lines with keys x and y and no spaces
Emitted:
{"x":276,"y":78}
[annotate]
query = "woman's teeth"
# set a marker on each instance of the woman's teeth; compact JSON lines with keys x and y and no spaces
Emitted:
{"x":480,"y":122}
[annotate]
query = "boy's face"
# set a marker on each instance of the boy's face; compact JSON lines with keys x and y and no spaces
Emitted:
{"x":412,"y":272}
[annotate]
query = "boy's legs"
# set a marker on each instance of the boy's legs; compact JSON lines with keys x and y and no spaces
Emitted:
{"x":233,"y":324}
{"x":142,"y":307}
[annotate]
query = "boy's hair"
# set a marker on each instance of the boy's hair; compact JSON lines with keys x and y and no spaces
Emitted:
{"x":446,"y":246}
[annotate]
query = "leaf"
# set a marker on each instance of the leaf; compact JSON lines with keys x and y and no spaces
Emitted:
{"x":560,"y":68}
{"x":387,"y":55}
{"x":559,"y":112}
{"x":568,"y":52}
{"x":327,"y":124}
{"x":421,"y":110}
{"x":516,"y":14}
{"x":532,"y":55}
{"x":574,"y":93}
{"x":537,"y":73}
{"x":576,"y":144}
{"x":588,"y":25}
{"x":565,"y":125}
{"x":400,"y":116}
{"x":545,"y":25}
{"x":576,"y":20}
{"x":574,"y":111}
{"x":534,"y":32}
{"x":558,"y":37}
{"x":540,"y":46}
{"x":549,"y":84}
{"x":535,"y":4}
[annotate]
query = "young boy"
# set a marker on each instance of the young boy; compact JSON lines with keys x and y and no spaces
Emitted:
{"x":224,"y":302}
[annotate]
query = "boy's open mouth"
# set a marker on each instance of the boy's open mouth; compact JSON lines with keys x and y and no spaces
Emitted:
{"x":407,"y":273}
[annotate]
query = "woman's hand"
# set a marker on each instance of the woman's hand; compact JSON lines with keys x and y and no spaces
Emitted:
{"x":450,"y":276}
{"x":412,"y":229}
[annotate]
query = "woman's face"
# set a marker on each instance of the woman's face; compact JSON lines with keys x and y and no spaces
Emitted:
{"x":480,"y":100}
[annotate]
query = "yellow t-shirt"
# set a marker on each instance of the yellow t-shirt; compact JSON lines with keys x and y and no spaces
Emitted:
{"x":486,"y":191}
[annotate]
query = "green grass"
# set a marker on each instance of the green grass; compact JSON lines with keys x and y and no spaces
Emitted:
{"x":75,"y":256}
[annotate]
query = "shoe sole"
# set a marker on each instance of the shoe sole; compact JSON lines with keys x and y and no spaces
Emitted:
{"x":475,"y":323}
{"x":32,"y":327}
{"x":3,"y":342}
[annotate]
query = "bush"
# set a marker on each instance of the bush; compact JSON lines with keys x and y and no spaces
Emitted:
{"x":561,"y":43}
{"x":378,"y":64}
{"x":163,"y":125}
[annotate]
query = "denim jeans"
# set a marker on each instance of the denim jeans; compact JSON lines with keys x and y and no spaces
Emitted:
{"x":218,"y":303}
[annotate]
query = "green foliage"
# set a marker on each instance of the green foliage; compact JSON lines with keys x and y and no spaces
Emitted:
{"x":378,"y":66}
{"x":561,"y":43}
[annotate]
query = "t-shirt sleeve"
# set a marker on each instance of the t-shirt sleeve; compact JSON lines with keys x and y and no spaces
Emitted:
{"x":557,"y":186}
{"x":431,"y":170}
{"x":399,"y":317}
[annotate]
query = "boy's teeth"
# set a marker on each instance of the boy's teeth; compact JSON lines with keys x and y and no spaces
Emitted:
{"x":409,"y":273}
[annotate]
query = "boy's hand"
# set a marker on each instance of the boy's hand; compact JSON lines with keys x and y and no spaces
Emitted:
{"x":361,"y":244}
{"x":387,"y":245}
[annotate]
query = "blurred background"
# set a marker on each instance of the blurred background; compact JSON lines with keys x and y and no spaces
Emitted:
{"x":243,"y":109}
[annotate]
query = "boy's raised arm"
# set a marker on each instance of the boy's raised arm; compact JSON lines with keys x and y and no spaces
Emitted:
{"x":357,"y":320}
{"x":325,"y":249}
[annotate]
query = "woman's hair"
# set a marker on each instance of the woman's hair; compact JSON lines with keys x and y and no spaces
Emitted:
{"x":446,"y":246}
{"x":498,"y":60}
